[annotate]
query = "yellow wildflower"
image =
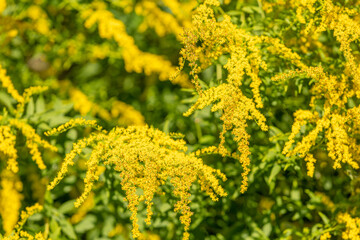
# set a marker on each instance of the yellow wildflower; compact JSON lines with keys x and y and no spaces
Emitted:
{"x":2,"y":5}
{"x":26,"y":97}
{"x":325,"y":199}
{"x":145,"y":159}
{"x":204,"y":43}
{"x":352,"y":226}
{"x":6,"y":83}
{"x":21,"y":234}
{"x":87,"y":205}
{"x":42,"y":24}
{"x":119,"y":229}
{"x":81,"y":102}
{"x":74,"y":123}
{"x":10,"y":200}
{"x":126,"y":114}
{"x":7,"y":147}
{"x":161,"y":21}
{"x":135,"y":60}
{"x":325,"y":236}
{"x":33,"y":141}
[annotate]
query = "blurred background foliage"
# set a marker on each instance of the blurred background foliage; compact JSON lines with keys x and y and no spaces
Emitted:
{"x":120,"y":78}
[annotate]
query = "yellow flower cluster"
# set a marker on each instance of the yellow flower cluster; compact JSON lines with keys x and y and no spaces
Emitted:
{"x":135,"y":60}
{"x":325,"y":236}
{"x":330,"y":17}
{"x":87,"y":205}
{"x":10,"y":200}
{"x":21,"y":234}
{"x":204,"y":43}
{"x":118,"y":230}
{"x":33,"y":141}
{"x":7,"y":83}
{"x":162,"y":22}
{"x":26,"y":97}
{"x":74,"y":123}
{"x":7,"y":147}
{"x":177,"y":15}
{"x":120,"y":112}
{"x":336,"y":123}
{"x":182,"y":10}
{"x":81,"y":102}
{"x":146,"y":159}
{"x":352,"y":226}
{"x":21,"y":99}
{"x":336,"y":120}
{"x":346,"y":30}
{"x":8,"y":138}
{"x":40,"y":18}
{"x":2,"y":5}
{"x":29,"y":211}
{"x":126,"y":114}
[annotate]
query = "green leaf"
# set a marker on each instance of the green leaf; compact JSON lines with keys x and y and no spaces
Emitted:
{"x":40,"y":104}
{"x":207,"y":139}
{"x":30,"y":108}
{"x":324,"y":218}
{"x":274,"y":171}
{"x":86,"y":224}
{"x":6,"y":100}
{"x":67,"y":228}
{"x":67,"y":207}
{"x":267,"y":229}
{"x":247,"y":9}
{"x":54,"y":229}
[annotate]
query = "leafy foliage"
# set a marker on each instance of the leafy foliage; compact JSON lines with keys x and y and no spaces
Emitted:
{"x":153,"y":102}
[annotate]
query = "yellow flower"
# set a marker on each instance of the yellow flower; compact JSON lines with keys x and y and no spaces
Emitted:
{"x":135,"y":59}
{"x":33,"y":141}
{"x":41,"y":21}
{"x":10,"y":200}
{"x":87,"y":205}
{"x":126,"y":114}
{"x":7,"y":147}
{"x":21,"y":234}
{"x":204,"y":43}
{"x":34,"y":12}
{"x":154,"y":17}
{"x":2,"y":5}
{"x":145,"y":158}
{"x":6,"y":83}
{"x":74,"y":123}
{"x":325,"y":236}
{"x":352,"y":226}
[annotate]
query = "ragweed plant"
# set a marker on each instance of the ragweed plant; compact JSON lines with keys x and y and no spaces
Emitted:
{"x":146,"y":159}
